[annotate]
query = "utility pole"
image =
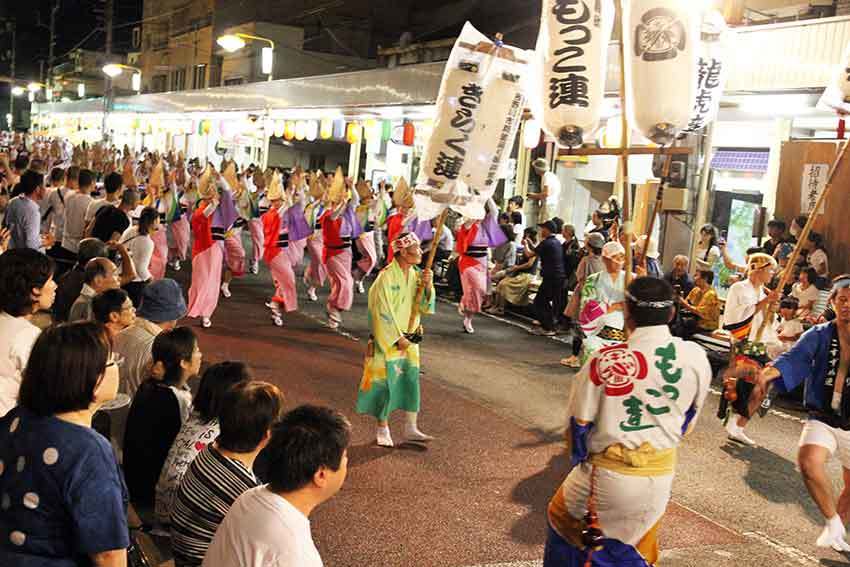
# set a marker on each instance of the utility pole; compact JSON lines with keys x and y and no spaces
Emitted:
{"x":10,"y":26}
{"x":50,"y":59}
{"x":107,"y":98}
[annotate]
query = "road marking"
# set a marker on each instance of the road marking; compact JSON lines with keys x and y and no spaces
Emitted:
{"x":322,"y":322}
{"x":789,"y":551}
{"x":537,"y":563}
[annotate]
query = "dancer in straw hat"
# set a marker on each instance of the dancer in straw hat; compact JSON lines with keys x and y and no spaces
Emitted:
{"x":207,"y":252}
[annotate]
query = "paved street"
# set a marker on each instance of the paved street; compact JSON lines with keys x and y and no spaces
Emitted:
{"x":496,"y":401}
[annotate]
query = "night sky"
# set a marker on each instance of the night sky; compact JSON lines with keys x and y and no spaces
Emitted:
{"x":75,"y":21}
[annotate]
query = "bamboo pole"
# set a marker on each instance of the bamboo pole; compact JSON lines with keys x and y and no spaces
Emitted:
{"x":624,"y":150}
{"x":420,"y":289}
{"x":659,"y":199}
{"x":634,"y":151}
{"x":804,"y":235}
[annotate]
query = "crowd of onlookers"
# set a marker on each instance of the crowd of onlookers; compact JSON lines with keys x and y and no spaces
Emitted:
{"x":103,"y":401}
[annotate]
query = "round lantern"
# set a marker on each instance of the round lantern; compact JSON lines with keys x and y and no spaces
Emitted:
{"x":300,"y":130}
{"x":289,"y":130}
{"x":326,"y":130}
{"x":279,"y":126}
{"x":531,"y":134}
{"x":353,"y":133}
{"x":711,"y":70}
{"x":386,"y":130}
{"x":370,"y":130}
{"x":312,"y":130}
{"x":408,"y":133}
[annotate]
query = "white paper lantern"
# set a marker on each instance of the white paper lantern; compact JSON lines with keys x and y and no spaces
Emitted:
{"x":300,"y":130}
{"x":531,"y":134}
{"x":662,"y":46}
{"x":279,"y":127}
{"x":711,"y":70}
{"x":570,"y":66}
{"x":312,"y":130}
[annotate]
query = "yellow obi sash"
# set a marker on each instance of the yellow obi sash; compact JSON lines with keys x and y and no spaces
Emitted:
{"x":643,"y":461}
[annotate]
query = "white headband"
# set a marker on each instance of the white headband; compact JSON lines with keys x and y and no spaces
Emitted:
{"x":402,"y":242}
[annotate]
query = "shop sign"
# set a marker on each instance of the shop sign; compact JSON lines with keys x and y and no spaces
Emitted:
{"x":815,"y":176}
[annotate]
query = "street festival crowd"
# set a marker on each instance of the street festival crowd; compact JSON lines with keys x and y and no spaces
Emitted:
{"x":97,"y":351}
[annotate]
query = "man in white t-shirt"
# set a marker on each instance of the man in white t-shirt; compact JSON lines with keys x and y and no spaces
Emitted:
{"x":743,"y":315}
{"x":550,"y":191}
{"x":269,"y":526}
{"x":75,"y":212}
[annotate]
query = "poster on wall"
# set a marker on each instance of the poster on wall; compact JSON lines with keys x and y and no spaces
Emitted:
{"x":815,"y":176}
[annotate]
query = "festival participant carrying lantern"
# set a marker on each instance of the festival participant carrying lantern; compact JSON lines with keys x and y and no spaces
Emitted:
{"x":711,"y":70}
{"x":662,"y":37}
{"x":569,"y":67}
{"x":478,"y":112}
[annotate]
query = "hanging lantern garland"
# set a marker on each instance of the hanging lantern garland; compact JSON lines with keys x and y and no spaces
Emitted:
{"x":300,"y":130}
{"x":663,"y":36}
{"x":353,"y":133}
{"x":289,"y":130}
{"x":386,"y":130}
{"x":569,"y":68}
{"x":339,"y":129}
{"x":312,"y":130}
{"x":408,"y":133}
{"x":326,"y":130}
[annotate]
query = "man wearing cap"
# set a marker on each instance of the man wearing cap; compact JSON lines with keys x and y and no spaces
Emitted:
{"x":391,"y":371}
{"x":550,"y":190}
{"x":743,"y":315}
{"x":601,"y":305}
{"x":821,"y":361}
{"x":631,"y":406}
{"x":549,"y":300}
{"x":161,"y":307}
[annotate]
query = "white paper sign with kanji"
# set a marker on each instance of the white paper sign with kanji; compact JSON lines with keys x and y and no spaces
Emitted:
{"x":815,"y":176}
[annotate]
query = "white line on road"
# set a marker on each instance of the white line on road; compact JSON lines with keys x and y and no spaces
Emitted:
{"x":777,"y":413}
{"x":791,"y":552}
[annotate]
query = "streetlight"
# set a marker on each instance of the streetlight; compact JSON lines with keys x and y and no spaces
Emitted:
{"x":235,"y":41}
{"x":115,"y":69}
{"x":17,"y":90}
{"x":34,"y":87}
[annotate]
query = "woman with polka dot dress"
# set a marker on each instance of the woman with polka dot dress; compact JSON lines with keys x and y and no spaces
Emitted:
{"x":62,"y":497}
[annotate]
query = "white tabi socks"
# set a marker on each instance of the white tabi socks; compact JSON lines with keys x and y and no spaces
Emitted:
{"x":384,"y":439}
{"x":411,"y":431}
{"x":833,"y":535}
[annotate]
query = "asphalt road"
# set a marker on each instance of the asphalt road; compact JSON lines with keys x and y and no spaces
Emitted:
{"x":496,"y":401}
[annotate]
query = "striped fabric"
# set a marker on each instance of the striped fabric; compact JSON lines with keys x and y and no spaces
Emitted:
{"x":740,"y":331}
{"x":208,"y":489}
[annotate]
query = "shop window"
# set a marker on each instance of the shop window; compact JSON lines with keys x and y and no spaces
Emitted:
{"x":199,"y":76}
{"x":158,"y":83}
{"x":178,"y":79}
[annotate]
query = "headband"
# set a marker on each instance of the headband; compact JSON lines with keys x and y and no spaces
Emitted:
{"x":405,"y":240}
{"x":666,"y":304}
{"x":840,"y":282}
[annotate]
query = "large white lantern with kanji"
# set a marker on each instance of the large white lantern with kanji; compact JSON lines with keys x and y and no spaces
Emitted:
{"x":570,"y":66}
{"x":661,"y":49}
{"x":711,"y":70}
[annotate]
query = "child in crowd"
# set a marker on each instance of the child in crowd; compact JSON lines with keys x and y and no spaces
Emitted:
{"x":789,"y":328}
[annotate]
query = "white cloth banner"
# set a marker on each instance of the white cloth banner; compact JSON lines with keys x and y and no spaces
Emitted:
{"x":479,"y":108}
{"x":815,"y":176}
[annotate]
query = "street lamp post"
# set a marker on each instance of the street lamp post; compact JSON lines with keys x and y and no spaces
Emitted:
{"x":235,"y":41}
{"x":112,"y":70}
